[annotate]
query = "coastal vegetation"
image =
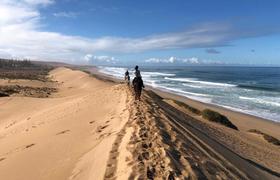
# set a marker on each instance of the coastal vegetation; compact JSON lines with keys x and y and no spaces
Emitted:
{"x":218,"y":118}
{"x":188,"y":107}
{"x":23,"y":69}
{"x":267,"y":137}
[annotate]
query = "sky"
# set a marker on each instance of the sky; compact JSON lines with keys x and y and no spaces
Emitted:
{"x":125,"y":32}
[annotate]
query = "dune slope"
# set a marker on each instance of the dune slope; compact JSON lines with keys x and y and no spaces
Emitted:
{"x":66,"y":136}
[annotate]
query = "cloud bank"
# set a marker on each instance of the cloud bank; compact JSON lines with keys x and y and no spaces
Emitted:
{"x":183,"y":61}
{"x":91,"y":59}
{"x":172,"y":59}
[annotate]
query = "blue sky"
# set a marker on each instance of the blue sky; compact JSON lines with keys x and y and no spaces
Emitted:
{"x":128,"y":32}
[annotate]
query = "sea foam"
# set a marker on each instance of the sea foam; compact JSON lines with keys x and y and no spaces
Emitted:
{"x":192,"y":80}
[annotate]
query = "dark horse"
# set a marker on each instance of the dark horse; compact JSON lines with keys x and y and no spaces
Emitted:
{"x":137,"y":86}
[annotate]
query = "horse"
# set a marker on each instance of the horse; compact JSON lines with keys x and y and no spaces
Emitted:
{"x":137,"y":86}
{"x":127,"y":79}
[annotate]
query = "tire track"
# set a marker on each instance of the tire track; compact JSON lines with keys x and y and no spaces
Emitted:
{"x":207,"y":158}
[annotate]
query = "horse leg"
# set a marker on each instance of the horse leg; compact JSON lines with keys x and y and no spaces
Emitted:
{"x":139,"y":95}
{"x":135,"y":92}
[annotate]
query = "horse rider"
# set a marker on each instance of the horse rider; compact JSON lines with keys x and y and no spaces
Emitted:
{"x":137,"y":83}
{"x":127,"y":77}
{"x":137,"y":72}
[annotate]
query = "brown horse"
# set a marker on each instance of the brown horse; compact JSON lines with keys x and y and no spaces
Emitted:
{"x":137,"y":86}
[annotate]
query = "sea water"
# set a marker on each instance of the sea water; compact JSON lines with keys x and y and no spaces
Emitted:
{"x":251,"y":90}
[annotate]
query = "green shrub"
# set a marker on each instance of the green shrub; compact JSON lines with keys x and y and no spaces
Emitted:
{"x":189,"y":108}
{"x":217,"y":117}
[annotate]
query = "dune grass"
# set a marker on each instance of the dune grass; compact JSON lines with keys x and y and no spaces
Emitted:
{"x":189,"y":108}
{"x":267,"y":137}
{"x":218,"y":118}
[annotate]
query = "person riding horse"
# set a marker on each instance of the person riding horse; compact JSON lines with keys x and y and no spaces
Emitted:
{"x":127,"y":77}
{"x":137,"y":84}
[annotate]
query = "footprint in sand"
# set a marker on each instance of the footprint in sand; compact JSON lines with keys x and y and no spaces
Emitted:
{"x":11,"y":124}
{"x":114,"y":154}
{"x":29,"y":145}
{"x":104,"y":135}
{"x":101,"y":128}
{"x":91,"y":122}
{"x":63,"y":132}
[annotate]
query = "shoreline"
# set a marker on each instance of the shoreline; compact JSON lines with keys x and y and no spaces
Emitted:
{"x":215,"y":105}
{"x":252,"y":122}
{"x":259,"y":121}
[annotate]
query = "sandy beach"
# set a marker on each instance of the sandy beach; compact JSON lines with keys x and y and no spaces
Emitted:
{"x":91,"y":128}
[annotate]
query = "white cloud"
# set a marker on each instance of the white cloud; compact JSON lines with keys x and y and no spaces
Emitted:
{"x":153,"y":60}
{"x":38,"y":2}
{"x":158,"y":60}
{"x":15,"y":14}
{"x":172,"y":59}
{"x":89,"y":58}
{"x":104,"y":58}
{"x":192,"y":60}
{"x":66,"y":14}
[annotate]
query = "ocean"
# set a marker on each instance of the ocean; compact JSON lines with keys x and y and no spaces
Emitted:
{"x":251,"y":90}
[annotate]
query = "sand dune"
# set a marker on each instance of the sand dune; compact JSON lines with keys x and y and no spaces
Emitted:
{"x":91,"y":129}
{"x":52,"y":138}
